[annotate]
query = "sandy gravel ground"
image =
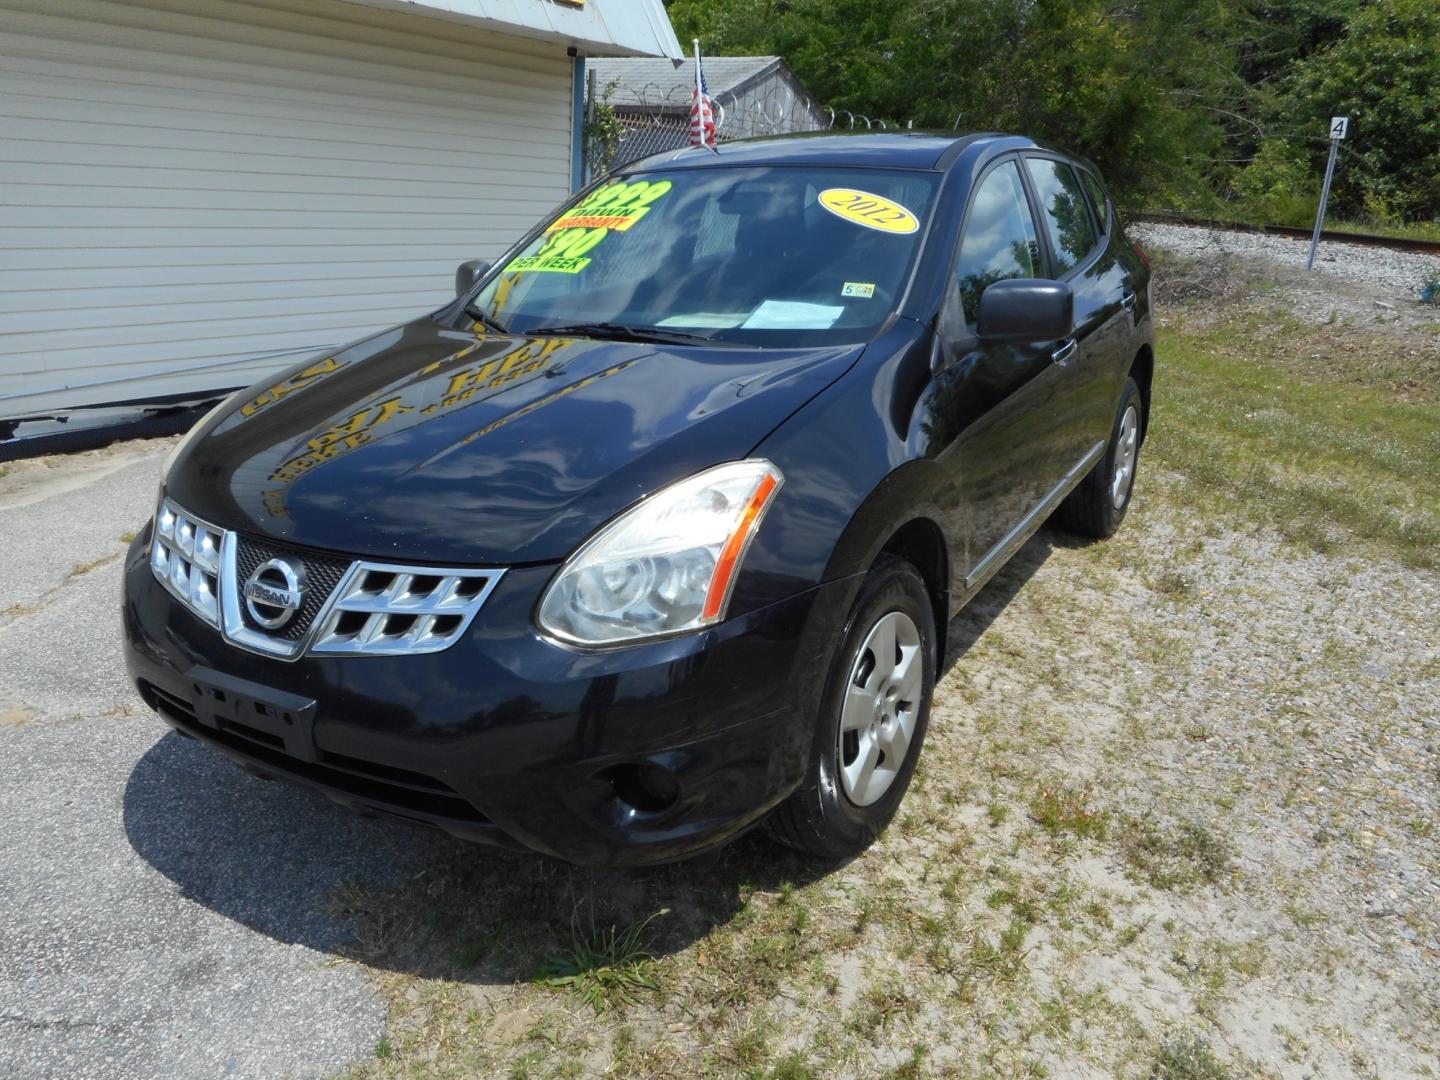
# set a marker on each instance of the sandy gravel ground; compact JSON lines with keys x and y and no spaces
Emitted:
{"x":1176,"y":818}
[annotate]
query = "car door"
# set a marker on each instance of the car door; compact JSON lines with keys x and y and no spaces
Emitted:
{"x":1117,"y":276}
{"x":1081,"y":256}
{"x":997,"y":399}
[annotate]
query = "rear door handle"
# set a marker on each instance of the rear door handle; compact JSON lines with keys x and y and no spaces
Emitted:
{"x":1066,"y":350}
{"x":1127,"y":299}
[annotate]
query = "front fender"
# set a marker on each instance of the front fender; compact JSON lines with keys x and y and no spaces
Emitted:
{"x":854,"y":475}
{"x":902,"y":497}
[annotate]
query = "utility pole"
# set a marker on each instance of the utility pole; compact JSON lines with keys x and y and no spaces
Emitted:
{"x":1339,"y":125}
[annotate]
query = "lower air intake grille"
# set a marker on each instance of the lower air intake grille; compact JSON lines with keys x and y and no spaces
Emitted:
{"x":396,"y":790}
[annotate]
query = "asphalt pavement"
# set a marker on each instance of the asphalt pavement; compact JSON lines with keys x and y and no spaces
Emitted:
{"x":162,"y":914}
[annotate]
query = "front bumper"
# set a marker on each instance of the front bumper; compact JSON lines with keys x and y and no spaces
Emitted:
{"x":507,"y":737}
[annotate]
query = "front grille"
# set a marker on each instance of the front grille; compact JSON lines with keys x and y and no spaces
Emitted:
{"x":322,"y":574}
{"x":386,"y":609}
{"x":346,"y":607}
{"x":185,"y":557}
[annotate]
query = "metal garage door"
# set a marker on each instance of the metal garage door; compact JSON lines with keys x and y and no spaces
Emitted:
{"x":197,"y":192}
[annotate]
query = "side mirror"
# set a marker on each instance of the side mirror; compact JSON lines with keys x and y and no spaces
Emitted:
{"x":468,"y":273}
{"x":1026,"y":309}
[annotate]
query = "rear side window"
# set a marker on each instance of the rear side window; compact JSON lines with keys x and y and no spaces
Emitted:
{"x":1097,"y":199}
{"x":1067,"y":218}
{"x":999,"y":240}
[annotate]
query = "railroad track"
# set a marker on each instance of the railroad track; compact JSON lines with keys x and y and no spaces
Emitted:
{"x":1394,"y":243}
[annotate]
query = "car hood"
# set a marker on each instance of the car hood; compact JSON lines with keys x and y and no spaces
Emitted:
{"x":453,"y":446}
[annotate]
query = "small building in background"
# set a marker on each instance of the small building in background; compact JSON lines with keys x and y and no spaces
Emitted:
{"x":199,"y":193}
{"x":754,"y":95}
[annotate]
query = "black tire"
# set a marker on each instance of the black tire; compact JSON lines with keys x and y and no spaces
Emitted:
{"x":819,"y":818}
{"x":1091,"y":510}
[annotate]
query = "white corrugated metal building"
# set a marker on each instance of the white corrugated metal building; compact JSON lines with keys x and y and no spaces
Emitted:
{"x":198,"y":192}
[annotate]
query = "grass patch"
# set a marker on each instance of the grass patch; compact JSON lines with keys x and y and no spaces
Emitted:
{"x":1407,"y":230}
{"x":603,"y":967}
{"x":1328,"y":454}
{"x":1062,"y":811}
{"x":1174,"y":857}
{"x":959,"y":931}
{"x":1187,"y":1057}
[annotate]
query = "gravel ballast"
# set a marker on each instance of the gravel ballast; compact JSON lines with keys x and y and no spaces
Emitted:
{"x":1403,"y":273}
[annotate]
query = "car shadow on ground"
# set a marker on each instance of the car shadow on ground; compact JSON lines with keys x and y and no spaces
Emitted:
{"x":970,"y":625}
{"x":291,"y":865}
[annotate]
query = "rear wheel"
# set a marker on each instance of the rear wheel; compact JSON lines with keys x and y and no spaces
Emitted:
{"x":1097,"y":506}
{"x":871,"y":722}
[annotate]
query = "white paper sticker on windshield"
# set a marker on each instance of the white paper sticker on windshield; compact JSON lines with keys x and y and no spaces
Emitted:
{"x":703,"y":320}
{"x":863,"y":289}
{"x":792,"y":315}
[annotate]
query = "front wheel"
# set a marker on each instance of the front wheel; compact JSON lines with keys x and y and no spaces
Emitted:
{"x":1098,"y":504}
{"x":871,"y":721}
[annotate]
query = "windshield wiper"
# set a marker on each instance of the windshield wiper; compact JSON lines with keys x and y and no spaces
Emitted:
{"x":488,"y":321}
{"x":617,"y":332}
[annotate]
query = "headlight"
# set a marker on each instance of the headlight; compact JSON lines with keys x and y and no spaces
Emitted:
{"x":189,"y":436}
{"x":665,"y":566}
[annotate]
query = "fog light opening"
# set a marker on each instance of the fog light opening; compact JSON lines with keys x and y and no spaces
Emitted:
{"x":645,"y":786}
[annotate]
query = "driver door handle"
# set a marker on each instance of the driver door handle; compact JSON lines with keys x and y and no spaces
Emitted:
{"x":1065,"y":351}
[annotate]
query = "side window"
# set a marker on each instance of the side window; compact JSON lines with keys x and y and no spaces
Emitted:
{"x":1097,"y":199}
{"x":999,"y":240}
{"x":1062,"y":204}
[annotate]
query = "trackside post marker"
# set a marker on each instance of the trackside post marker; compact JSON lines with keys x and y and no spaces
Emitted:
{"x":1339,"y":127}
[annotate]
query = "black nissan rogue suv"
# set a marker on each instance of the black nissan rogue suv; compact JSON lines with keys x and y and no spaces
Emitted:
{"x":655,"y":531}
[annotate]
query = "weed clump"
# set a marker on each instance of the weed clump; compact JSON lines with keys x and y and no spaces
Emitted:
{"x":1174,"y":857}
{"x":1061,"y":811}
{"x":1187,"y":1057}
{"x":603,"y":966}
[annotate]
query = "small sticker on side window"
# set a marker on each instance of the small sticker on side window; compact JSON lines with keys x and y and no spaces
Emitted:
{"x":863,"y":289}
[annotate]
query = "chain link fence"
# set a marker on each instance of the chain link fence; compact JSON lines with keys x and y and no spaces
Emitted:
{"x":652,"y":119}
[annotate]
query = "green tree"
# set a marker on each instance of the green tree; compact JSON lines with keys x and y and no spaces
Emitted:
{"x":1144,"y":87}
{"x":1182,"y":103}
{"x":1384,"y":73}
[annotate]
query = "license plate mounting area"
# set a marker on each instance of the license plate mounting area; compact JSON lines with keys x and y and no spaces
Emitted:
{"x":255,"y":712}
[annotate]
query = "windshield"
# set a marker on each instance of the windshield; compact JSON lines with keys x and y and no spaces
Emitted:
{"x":780,"y":255}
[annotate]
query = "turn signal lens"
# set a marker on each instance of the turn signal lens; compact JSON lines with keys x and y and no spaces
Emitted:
{"x":666,"y":566}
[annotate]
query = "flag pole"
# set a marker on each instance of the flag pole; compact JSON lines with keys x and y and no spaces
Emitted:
{"x":699,"y":93}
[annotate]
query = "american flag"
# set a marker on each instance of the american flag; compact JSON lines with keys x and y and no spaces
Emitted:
{"x":702,"y":109}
